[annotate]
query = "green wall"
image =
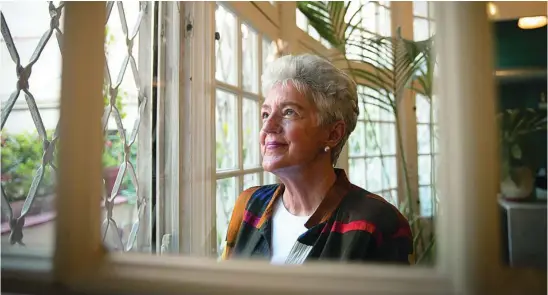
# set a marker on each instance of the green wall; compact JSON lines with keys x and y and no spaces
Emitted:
{"x":520,"y":49}
{"x":517,"y":48}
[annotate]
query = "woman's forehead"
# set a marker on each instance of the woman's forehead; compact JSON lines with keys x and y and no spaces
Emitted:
{"x":285,"y":94}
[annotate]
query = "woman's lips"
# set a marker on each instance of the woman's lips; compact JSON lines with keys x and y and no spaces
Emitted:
{"x":274,"y":145}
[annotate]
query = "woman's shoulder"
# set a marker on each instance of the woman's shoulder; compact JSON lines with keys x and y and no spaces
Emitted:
{"x":257,"y":196}
{"x":360,"y":204}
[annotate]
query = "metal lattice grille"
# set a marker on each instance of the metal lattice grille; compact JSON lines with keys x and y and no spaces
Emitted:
{"x":23,"y":74}
{"x":114,"y":237}
{"x":110,"y":230}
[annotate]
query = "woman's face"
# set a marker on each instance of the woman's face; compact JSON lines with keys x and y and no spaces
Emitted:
{"x":291,"y":136}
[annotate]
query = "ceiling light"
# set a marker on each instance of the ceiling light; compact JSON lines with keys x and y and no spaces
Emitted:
{"x":532,"y":22}
{"x":492,"y":9}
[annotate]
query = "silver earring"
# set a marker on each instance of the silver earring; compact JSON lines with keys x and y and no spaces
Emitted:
{"x":326,"y":149}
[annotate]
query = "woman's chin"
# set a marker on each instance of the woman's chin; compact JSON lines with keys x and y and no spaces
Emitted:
{"x":271,"y":164}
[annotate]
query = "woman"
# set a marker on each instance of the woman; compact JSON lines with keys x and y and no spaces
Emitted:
{"x":311,"y":107}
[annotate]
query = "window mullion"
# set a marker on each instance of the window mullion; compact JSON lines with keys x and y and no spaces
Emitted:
{"x":144,"y":144}
{"x":78,"y":211}
{"x":239,"y":105}
{"x":197,"y":136}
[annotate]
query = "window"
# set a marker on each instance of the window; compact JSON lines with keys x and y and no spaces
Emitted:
{"x":29,"y":130}
{"x":375,"y":18}
{"x":83,"y":267}
{"x":237,"y":106}
{"x":423,"y":28}
{"x":372,"y":149}
{"x":372,"y":145}
{"x":302,"y":23}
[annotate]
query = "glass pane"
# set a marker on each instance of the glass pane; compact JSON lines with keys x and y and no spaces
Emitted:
{"x":423,"y":138}
{"x":302,"y":21}
{"x":372,"y":142}
{"x":369,"y":17}
{"x":420,"y":29}
{"x":422,"y":106}
{"x":425,"y":197}
{"x":250,"y":133}
{"x":269,"y":52}
{"x":372,"y":110}
{"x":385,"y":27}
{"x":388,"y":138}
{"x":356,"y":141}
{"x":374,"y":172}
{"x":386,"y":113}
{"x":250,"y":59}
{"x":226,"y":130}
{"x":313,"y":33}
{"x":356,"y":173}
{"x":226,"y":67}
{"x":251,"y":180}
{"x":116,"y":164}
{"x":394,"y":196}
{"x":225,"y":199}
{"x":269,"y":178}
{"x":420,"y":8}
{"x":389,"y":173}
{"x":424,"y":170}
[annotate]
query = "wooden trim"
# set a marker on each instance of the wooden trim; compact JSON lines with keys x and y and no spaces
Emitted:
{"x":78,"y":247}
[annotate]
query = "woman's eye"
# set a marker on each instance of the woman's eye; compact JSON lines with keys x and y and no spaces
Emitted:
{"x":264,"y":115}
{"x":289,"y":112}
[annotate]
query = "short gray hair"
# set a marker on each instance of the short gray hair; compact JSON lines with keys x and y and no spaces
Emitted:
{"x":332,"y":91}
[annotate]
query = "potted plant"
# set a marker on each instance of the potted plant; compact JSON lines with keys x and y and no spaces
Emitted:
{"x":518,"y":157}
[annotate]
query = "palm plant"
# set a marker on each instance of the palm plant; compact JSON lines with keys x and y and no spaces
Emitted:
{"x":388,"y":66}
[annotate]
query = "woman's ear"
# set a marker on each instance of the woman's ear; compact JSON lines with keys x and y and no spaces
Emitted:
{"x":336,"y":133}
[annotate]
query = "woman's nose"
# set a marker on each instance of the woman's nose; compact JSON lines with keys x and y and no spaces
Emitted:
{"x":272,"y":124}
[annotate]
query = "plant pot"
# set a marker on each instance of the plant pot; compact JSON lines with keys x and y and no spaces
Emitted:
{"x":110,"y":174}
{"x":519,"y":184}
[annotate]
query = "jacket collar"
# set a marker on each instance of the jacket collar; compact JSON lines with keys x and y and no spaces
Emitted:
{"x":326,"y":208}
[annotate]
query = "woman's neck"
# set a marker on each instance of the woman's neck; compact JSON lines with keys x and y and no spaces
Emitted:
{"x":306,"y":188}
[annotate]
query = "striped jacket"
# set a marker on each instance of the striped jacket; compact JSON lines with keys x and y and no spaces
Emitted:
{"x":350,"y":224}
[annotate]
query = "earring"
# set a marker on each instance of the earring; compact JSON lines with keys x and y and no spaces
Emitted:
{"x":326,"y":149}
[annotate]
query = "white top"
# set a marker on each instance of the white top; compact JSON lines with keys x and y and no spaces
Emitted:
{"x":286,"y":228}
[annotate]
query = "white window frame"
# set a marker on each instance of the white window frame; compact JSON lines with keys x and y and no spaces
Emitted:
{"x":240,"y":94}
{"x":469,"y":240}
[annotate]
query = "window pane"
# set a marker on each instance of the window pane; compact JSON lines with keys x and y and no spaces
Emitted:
{"x":225,"y":199}
{"x":387,"y":133}
{"x":302,"y":21}
{"x":423,"y":138}
{"x":313,"y":33}
{"x":269,"y":53}
{"x":374,"y":172}
{"x":226,"y":67}
{"x":356,"y":141}
{"x":356,"y":173}
{"x":425,"y":197}
{"x":372,"y":142}
{"x":371,"y":98}
{"x":422,"y":106}
{"x":420,"y":29}
{"x":385,"y":27}
{"x":369,"y":17}
{"x":251,"y":180}
{"x":250,"y":133}
{"x":269,"y":178}
{"x":250,"y":59}
{"x":424,"y":170}
{"x":226,"y":130}
{"x":420,"y":8}
{"x":389,"y":173}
